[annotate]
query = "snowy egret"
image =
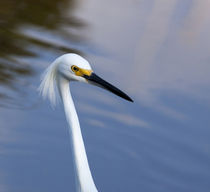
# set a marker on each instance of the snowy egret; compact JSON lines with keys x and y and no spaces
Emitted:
{"x":55,"y":82}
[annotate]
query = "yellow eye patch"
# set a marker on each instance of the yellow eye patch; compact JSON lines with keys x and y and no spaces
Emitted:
{"x":80,"y":72}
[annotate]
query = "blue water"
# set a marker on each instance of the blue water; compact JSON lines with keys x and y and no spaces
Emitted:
{"x":158,"y":52}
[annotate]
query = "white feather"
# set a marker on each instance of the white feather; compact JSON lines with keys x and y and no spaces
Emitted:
{"x":55,"y":81}
{"x":48,"y":87}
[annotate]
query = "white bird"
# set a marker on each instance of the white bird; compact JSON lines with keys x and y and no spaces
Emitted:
{"x":55,"y":82}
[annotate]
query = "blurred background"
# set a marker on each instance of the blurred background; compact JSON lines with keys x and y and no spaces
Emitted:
{"x":157,"y":51}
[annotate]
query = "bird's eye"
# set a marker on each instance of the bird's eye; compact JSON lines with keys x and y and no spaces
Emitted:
{"x":74,"y":68}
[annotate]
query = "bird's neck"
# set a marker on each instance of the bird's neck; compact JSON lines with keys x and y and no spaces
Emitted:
{"x":84,"y":178}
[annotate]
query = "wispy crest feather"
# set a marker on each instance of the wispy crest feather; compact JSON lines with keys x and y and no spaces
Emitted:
{"x":48,"y":87}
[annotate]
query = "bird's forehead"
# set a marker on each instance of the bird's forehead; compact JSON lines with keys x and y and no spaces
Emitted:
{"x":74,"y":59}
{"x":83,"y":65}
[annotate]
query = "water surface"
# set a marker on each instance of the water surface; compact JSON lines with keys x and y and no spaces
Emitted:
{"x":156,"y":51}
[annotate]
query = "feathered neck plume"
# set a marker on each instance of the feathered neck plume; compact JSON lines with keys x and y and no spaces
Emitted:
{"x":48,"y":87}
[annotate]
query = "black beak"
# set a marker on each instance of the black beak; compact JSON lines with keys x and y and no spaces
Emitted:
{"x":96,"y":80}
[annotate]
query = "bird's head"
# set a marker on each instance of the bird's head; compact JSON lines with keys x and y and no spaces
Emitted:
{"x":73,"y":67}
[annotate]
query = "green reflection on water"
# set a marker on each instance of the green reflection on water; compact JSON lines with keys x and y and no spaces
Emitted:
{"x":15,"y":16}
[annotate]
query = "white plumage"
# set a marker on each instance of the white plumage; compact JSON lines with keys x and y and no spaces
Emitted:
{"x":55,"y":82}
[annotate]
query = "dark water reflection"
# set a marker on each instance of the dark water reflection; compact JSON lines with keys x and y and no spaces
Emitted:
{"x":157,"y":51}
{"x":17,"y":16}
